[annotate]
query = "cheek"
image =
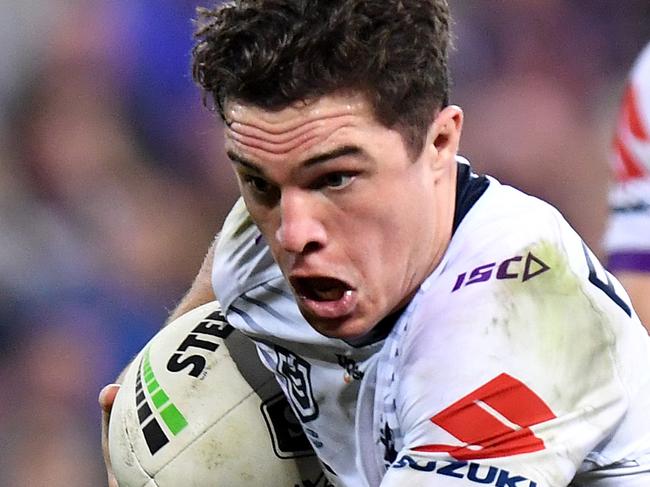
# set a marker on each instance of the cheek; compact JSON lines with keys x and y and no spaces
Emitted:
{"x":395,"y":242}
{"x":377,"y":250}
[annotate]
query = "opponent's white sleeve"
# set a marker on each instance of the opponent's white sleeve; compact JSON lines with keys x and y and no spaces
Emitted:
{"x":627,"y":239}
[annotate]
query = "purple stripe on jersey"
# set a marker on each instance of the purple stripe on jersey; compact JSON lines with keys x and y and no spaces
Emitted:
{"x":629,"y":261}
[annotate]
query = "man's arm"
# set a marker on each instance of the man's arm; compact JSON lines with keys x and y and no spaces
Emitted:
{"x":200,"y":292}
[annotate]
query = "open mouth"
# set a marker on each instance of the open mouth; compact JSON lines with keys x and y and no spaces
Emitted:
{"x":325,"y":298}
{"x":320,"y":288}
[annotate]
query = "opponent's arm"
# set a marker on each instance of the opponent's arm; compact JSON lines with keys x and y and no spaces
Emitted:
{"x":630,"y":217}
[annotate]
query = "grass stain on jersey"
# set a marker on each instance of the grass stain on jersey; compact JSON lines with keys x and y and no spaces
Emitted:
{"x":566,"y":334}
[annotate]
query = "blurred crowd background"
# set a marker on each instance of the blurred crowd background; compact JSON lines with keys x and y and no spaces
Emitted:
{"x":113,"y":181}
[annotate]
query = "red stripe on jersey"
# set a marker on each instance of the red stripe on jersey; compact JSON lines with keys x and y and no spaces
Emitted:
{"x":631,"y":114}
{"x":483,"y":429}
{"x":629,"y":167}
{"x":506,"y":445}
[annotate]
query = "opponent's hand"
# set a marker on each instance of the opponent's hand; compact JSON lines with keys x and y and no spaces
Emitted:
{"x":106,"y":399}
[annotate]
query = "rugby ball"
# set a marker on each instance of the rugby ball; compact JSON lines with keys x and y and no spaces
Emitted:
{"x":197,"y":408}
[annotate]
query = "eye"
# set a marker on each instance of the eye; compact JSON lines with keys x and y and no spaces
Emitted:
{"x":336,"y":180}
{"x":260,"y":189}
{"x":257,"y":184}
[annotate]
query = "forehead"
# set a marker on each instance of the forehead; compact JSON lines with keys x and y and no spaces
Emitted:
{"x":324,"y":106}
{"x":261,"y":133}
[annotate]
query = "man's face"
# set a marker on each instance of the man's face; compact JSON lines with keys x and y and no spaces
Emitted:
{"x":354,"y":222}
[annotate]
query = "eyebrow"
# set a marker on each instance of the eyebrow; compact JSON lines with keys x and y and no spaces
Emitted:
{"x":345,"y":150}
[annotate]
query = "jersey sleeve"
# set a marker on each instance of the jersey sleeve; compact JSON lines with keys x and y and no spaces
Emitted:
{"x":519,"y":375}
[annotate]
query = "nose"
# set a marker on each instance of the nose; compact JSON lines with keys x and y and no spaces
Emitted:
{"x":300,"y":230}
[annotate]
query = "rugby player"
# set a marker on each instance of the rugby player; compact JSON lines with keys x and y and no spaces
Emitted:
{"x":429,"y":325}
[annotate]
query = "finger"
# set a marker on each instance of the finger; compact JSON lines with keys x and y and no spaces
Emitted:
{"x":106,"y":400}
{"x":107,"y":397}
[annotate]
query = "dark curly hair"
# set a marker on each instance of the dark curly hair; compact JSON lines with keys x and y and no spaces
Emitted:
{"x":271,"y":53}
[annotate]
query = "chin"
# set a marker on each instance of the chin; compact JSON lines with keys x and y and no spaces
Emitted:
{"x":344,"y":329}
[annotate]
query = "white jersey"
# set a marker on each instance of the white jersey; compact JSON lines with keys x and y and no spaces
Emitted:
{"x":320,"y":376}
{"x":627,"y":240}
{"x":519,"y":363}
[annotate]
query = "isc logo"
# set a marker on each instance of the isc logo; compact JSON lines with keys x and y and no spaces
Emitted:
{"x":519,"y":266}
{"x":201,"y":337}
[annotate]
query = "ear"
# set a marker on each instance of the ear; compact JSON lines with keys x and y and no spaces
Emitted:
{"x":444,"y":137}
